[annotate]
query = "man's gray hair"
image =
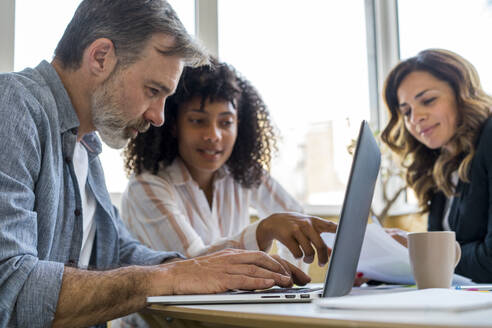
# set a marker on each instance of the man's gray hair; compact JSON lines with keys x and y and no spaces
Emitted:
{"x":129,"y":24}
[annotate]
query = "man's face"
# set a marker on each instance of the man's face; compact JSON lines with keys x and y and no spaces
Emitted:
{"x":133,"y":97}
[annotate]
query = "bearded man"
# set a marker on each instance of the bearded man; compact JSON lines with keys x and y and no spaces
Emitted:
{"x":113,"y":69}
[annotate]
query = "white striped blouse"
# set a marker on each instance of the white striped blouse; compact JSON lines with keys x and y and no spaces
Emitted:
{"x":169,"y":211}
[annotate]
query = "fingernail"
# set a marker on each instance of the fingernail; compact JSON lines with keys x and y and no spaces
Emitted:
{"x":308,"y":260}
{"x":359,"y":274}
{"x":285,"y":278}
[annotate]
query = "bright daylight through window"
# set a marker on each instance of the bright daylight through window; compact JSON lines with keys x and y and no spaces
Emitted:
{"x":310,"y":65}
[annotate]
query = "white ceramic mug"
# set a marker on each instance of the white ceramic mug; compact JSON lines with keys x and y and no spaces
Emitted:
{"x":433,"y":257}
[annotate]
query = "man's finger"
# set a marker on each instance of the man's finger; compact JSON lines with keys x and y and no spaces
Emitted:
{"x":283,"y":263}
{"x":298,"y":276}
{"x":258,"y":258}
{"x":234,"y":281}
{"x":254,"y":271}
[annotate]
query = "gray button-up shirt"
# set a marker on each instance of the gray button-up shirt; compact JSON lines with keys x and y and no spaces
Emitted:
{"x":40,"y":205}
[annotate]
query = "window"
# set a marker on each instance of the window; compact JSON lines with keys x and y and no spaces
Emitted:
{"x":460,"y":26}
{"x":309,"y":61}
{"x":38,"y":28}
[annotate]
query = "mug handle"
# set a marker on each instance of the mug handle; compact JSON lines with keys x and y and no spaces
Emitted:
{"x":457,"y":253}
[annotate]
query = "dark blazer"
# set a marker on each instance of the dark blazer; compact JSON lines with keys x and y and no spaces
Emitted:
{"x":471,"y":213}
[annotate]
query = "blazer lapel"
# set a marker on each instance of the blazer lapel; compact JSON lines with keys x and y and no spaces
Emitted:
{"x":436,"y":211}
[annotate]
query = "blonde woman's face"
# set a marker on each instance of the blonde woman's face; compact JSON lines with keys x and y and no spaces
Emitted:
{"x":429,"y":108}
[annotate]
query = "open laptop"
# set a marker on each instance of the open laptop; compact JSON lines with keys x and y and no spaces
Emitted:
{"x":344,"y":258}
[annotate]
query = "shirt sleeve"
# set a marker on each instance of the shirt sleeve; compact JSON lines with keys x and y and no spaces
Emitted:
{"x":476,"y":255}
{"x":269,"y":198}
{"x":150,"y":211}
{"x":134,"y":252}
{"x":29,"y":287}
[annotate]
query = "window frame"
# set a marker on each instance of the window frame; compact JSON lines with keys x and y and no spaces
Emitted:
{"x":7,"y":34}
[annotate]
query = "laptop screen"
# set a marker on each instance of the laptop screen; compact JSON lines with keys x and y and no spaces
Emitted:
{"x":343,"y":262}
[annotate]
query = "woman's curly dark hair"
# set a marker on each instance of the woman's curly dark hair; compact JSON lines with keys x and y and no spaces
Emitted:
{"x":255,"y":140}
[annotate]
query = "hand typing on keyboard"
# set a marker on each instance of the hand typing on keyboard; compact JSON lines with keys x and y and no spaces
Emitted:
{"x":225,"y":270}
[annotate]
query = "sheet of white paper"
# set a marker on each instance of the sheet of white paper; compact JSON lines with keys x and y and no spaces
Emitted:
{"x":384,"y":259}
{"x":424,"y":299}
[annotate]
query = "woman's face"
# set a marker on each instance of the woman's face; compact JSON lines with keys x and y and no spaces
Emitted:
{"x":429,"y":108}
{"x":206,"y":136}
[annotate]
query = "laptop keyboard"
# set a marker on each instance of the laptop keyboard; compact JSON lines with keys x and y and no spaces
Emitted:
{"x":294,"y":290}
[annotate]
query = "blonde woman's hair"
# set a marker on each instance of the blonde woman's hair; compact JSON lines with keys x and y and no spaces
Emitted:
{"x":429,"y":170}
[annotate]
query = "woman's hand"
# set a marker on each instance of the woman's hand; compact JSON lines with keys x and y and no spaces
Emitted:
{"x":298,"y":232}
{"x":398,"y":235}
{"x":360,"y":279}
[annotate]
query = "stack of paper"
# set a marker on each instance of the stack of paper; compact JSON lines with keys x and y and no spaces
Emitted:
{"x":433,"y":299}
{"x":384,"y":259}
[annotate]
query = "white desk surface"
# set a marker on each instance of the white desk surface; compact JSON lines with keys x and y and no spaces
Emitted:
{"x":309,"y":315}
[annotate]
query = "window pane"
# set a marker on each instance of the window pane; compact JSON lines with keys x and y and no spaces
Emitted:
{"x":38,"y":28}
{"x":460,"y":26}
{"x":186,"y":13}
{"x":309,"y":61}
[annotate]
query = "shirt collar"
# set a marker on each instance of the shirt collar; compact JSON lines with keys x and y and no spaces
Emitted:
{"x":179,"y":174}
{"x":66,"y":113}
{"x":92,"y":143}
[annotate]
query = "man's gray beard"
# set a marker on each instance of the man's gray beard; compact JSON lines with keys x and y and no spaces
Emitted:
{"x":111,"y":137}
{"x":107,"y":120}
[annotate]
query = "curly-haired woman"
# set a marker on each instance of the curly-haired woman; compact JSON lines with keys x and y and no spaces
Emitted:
{"x":439,"y":126}
{"x":193,"y":180}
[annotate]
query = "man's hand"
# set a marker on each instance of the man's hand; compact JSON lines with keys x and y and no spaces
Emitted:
{"x":298,"y":276}
{"x":225,"y":270}
{"x":298,"y":232}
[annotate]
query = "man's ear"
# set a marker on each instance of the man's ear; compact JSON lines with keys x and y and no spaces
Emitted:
{"x":100,"y":58}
